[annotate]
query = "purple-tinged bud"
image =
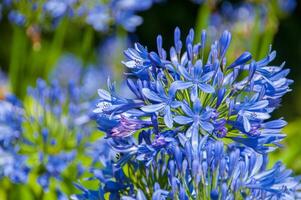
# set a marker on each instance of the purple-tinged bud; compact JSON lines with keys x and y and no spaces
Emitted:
{"x":127,"y":127}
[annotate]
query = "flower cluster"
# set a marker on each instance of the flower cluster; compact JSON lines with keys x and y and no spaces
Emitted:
{"x":101,"y":15}
{"x":12,"y":164}
{"x":209,"y":172}
{"x":198,"y":127}
{"x":48,"y":134}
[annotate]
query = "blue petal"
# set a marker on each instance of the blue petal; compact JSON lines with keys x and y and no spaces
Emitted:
{"x":198,"y":68}
{"x":207,"y":76}
{"x":187,"y":110}
{"x":153,"y":107}
{"x":207,"y":126}
{"x":184,"y":73}
{"x":206,"y":88}
{"x":195,"y":138}
{"x":224,"y":43}
{"x":155,"y":59}
{"x":259,"y":105}
{"x":177,"y":41}
{"x":151,"y":95}
{"x":275,"y":124}
{"x":197,"y":106}
{"x":103,"y":94}
{"x":160,"y":89}
{"x":178,"y":85}
{"x":183,"y":120}
{"x":194,"y":93}
{"x":175,"y":104}
{"x":267,"y":59}
{"x":168,"y":117}
{"x":247,"y":125}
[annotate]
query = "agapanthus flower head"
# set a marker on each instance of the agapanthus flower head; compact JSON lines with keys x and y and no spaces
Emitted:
{"x":197,"y":93}
{"x":56,"y":130}
{"x":48,"y":133}
{"x":198,"y":126}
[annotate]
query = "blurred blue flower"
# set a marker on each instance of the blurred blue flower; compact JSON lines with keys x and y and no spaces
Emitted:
{"x":99,"y":18}
{"x":16,"y":18}
{"x":12,"y":164}
{"x":101,"y":15}
{"x":287,"y":6}
{"x":59,"y":8}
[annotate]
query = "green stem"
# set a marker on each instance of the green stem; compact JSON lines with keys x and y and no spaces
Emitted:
{"x":87,"y":44}
{"x":17,"y":70}
{"x":56,"y":46}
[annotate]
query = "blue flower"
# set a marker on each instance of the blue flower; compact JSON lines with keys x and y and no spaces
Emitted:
{"x":58,"y":9}
{"x":165,"y":101}
{"x":99,"y":18}
{"x":198,"y":117}
{"x":197,"y":79}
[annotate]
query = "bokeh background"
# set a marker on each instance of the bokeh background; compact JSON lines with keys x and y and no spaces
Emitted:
{"x":35,"y":49}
